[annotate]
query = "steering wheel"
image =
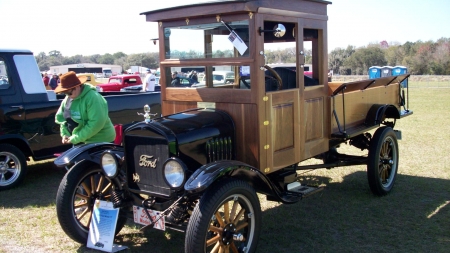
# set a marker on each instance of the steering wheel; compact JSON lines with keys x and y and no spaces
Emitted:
{"x":243,"y":80}
{"x":274,"y":81}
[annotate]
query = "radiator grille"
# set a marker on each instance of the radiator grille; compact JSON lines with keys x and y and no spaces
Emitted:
{"x":145,"y":157}
{"x":219,"y":149}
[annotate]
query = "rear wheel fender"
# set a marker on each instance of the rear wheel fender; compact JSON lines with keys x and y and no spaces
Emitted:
{"x":378,"y":112}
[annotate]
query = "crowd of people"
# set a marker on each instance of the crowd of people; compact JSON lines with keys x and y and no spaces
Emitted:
{"x":51,"y":81}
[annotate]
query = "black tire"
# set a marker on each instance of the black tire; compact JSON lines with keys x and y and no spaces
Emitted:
{"x":382,"y":163}
{"x":212,"y":224}
{"x":13,"y":166}
{"x":75,"y":200}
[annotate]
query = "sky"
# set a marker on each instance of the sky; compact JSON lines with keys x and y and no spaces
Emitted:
{"x":90,"y":27}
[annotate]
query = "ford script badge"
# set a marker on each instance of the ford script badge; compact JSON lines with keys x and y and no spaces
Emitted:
{"x":147,"y":161}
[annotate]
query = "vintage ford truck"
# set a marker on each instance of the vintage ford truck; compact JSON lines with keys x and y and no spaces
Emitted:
{"x":27,"y":115}
{"x":116,"y":83}
{"x":198,"y":168}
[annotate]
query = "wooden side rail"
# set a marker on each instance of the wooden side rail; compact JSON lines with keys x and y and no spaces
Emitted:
{"x":335,"y":88}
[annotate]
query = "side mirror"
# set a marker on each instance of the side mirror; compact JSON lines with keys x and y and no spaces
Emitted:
{"x":154,"y":40}
{"x":278,"y":30}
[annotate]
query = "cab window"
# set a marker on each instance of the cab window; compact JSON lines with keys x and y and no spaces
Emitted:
{"x":229,"y":76}
{"x":4,"y":81}
{"x":281,"y":56}
{"x":220,"y":40}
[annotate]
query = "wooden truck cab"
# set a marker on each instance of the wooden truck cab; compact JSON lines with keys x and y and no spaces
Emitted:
{"x":277,"y":127}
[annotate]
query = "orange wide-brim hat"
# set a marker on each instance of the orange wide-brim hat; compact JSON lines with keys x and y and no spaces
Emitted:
{"x":69,"y":81}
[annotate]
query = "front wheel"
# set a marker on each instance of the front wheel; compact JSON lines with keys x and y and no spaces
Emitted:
{"x":13,"y":166}
{"x":226,"y":219}
{"x":77,"y":192}
{"x":382,"y":164}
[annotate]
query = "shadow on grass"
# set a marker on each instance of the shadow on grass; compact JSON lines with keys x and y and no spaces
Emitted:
{"x":345,"y":217}
{"x":38,"y":189}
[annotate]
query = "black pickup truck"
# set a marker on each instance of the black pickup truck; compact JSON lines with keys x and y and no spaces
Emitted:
{"x":27,"y":115}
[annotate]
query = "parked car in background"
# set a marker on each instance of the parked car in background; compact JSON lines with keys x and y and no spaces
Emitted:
{"x":138,"y":88}
{"x":107,"y":72}
{"x":186,"y":82}
{"x":219,"y":78}
{"x":115,"y":83}
{"x":90,"y":78}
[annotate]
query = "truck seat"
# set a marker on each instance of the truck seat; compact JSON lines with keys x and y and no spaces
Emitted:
{"x":119,"y":131}
{"x":288,"y":77}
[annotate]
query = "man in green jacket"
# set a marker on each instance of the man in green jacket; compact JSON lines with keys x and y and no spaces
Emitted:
{"x":83,"y":114}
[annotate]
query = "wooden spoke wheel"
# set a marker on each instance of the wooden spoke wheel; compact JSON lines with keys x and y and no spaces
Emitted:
{"x":80,"y":187}
{"x":226,"y":219}
{"x":382,"y":164}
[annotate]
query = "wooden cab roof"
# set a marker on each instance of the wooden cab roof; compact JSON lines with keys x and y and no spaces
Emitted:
{"x":305,"y":7}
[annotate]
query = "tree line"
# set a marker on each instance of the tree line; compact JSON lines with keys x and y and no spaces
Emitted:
{"x":421,"y":58}
{"x":55,"y":58}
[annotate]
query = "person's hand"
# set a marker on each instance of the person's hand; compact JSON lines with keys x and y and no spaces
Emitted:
{"x":65,"y":140}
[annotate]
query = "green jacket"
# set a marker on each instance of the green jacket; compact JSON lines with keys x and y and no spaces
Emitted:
{"x":90,"y":111}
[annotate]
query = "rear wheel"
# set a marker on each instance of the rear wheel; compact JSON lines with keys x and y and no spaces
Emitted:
{"x":382,"y":164}
{"x":13,"y":166}
{"x":80,"y":187}
{"x":226,"y":219}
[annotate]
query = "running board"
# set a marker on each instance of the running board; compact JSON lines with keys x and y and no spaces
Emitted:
{"x":296,"y":188}
{"x":295,"y":192}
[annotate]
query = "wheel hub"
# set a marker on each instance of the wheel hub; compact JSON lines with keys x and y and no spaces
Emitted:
{"x":387,"y":161}
{"x":94,"y":197}
{"x":228,"y":232}
{"x":3,"y":168}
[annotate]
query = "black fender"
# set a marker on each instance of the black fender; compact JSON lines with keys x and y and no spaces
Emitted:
{"x":378,"y":112}
{"x":212,"y":172}
{"x":19,"y":141}
{"x":88,"y":152}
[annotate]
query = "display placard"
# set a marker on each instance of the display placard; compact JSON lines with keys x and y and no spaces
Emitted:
{"x":103,"y":226}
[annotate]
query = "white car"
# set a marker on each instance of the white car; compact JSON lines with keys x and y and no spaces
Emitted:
{"x":219,"y":78}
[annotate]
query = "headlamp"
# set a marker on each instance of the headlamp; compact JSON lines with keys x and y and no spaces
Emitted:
{"x":174,"y":173}
{"x":110,"y":164}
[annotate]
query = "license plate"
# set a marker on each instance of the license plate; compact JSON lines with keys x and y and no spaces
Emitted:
{"x":140,"y":217}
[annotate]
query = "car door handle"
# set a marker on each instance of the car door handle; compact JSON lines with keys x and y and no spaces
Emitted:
{"x":17,"y":106}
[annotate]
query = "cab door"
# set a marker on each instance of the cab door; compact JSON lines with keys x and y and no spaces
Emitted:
{"x":284,"y":141}
{"x":282,"y":105}
{"x":296,"y":115}
{"x":314,"y":113}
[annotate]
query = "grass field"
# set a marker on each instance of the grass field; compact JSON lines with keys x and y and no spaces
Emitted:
{"x":345,"y":217}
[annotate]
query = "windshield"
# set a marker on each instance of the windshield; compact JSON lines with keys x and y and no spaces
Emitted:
{"x":115,"y":80}
{"x":223,"y":40}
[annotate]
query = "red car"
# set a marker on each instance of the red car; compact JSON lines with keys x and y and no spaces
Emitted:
{"x":115,"y":83}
